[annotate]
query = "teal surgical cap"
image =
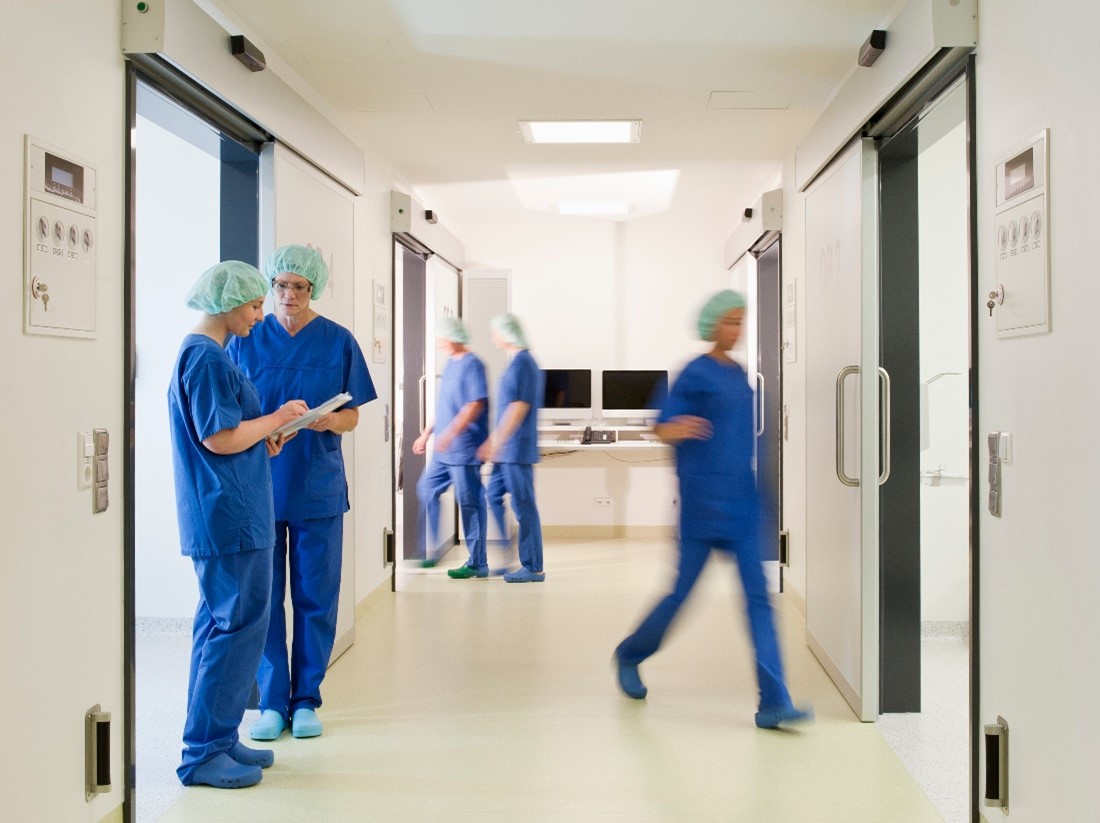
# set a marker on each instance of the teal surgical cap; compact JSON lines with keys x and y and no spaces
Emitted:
{"x":302,"y":261}
{"x":715,"y":309}
{"x":225,"y":286}
{"x":451,"y":328}
{"x":508,"y":327}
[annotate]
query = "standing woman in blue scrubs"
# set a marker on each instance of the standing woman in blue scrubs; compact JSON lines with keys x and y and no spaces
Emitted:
{"x":461,"y":425}
{"x":513,"y":446}
{"x":709,"y":419}
{"x":295,"y":352}
{"x":220,"y":457}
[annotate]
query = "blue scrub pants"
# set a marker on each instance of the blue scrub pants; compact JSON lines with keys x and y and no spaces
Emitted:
{"x":227,"y":641}
{"x":694,"y":554}
{"x":518,"y":479}
{"x":470,"y":496}
{"x":315,"y":550}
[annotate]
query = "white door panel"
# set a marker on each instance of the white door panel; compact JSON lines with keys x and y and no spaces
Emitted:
{"x":312,"y":210}
{"x":841,"y":552}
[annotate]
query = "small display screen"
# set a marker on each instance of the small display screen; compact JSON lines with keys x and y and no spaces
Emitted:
{"x":1019,"y":173}
{"x":64,"y":179}
{"x":567,"y":389}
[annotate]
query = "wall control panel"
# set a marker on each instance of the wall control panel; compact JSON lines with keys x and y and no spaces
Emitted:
{"x":60,"y":242}
{"x":1020,"y":300}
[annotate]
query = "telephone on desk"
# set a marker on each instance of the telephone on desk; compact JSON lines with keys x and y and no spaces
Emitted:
{"x":590,"y":437}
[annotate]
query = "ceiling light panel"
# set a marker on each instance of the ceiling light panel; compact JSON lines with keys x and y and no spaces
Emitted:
{"x":581,"y":131}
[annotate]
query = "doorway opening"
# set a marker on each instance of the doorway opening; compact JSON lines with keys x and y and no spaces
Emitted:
{"x":926,"y":513}
{"x":194,"y":200}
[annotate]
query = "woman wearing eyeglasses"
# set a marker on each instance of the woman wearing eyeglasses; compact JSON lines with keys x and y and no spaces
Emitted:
{"x":295,"y":352}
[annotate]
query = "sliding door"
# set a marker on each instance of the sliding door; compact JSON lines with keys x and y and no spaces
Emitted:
{"x":842,"y":396}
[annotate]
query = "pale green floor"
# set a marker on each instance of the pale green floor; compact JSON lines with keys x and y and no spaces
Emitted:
{"x":486,"y":701}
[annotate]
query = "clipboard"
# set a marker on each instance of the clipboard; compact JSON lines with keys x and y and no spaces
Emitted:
{"x":313,"y":414}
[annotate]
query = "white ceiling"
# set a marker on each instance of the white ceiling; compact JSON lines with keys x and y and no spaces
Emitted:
{"x":724,"y":89}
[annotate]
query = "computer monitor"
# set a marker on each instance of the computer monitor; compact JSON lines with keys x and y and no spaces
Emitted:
{"x":634,"y":394}
{"x":567,"y":395}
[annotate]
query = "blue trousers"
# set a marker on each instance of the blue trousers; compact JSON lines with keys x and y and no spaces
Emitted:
{"x":314,"y":549}
{"x":227,"y":640}
{"x":694,"y":554}
{"x":518,"y":480}
{"x":470,"y":496}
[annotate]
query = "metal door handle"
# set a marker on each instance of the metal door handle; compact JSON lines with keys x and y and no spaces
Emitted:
{"x":422,"y":401}
{"x":841,"y":474}
{"x":760,"y":404}
{"x":884,"y":424}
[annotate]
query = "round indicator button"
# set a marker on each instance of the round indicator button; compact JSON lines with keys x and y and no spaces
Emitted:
{"x":1013,"y":234}
{"x":1002,"y":237}
{"x":58,"y":233}
{"x":1036,"y":224}
{"x":88,"y":240}
{"x":74,"y":237}
{"x":43,"y":228}
{"x":1025,"y":229}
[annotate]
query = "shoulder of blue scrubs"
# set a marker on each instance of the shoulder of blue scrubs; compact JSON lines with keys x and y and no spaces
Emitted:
{"x":357,"y":379}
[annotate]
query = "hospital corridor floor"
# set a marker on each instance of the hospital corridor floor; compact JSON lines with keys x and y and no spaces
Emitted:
{"x":477,"y":700}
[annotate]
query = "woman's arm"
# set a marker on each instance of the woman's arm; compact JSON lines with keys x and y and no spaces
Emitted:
{"x":338,"y":422}
{"x":466,"y":415}
{"x":509,"y":421}
{"x":683,"y":427}
{"x":250,"y":432}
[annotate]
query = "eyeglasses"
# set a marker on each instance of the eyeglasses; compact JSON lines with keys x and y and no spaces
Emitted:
{"x":297,"y":288}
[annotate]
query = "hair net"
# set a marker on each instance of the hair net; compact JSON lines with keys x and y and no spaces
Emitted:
{"x":507,"y":326}
{"x":302,"y":261}
{"x":451,"y":328}
{"x":715,"y":309}
{"x":225,"y":286}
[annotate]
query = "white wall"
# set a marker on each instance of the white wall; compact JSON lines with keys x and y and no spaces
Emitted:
{"x":793,"y":261}
{"x":61,"y":568}
{"x":373,"y":466}
{"x":599,"y":294}
{"x":944,"y":349}
{"x":61,"y":614}
{"x":1040,"y":568}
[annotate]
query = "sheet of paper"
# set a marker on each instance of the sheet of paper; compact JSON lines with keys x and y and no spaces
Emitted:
{"x":313,"y":414}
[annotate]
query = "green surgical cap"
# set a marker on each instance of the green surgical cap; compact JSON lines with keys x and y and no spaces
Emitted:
{"x":225,"y":286}
{"x":507,"y":326}
{"x":302,"y":261}
{"x":451,"y":328}
{"x":715,"y":309}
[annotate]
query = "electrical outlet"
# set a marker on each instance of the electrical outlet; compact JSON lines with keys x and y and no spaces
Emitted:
{"x":601,"y":502}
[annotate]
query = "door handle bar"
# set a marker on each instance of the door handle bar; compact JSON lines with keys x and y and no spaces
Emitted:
{"x":760,"y":404}
{"x":422,"y":401}
{"x":841,"y":474}
{"x":884,"y":424}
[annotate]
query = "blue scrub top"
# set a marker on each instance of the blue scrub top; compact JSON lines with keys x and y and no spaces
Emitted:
{"x":320,"y":361}
{"x":718,"y":495}
{"x":463,"y":382}
{"x":521,"y":381}
{"x":223,"y":501}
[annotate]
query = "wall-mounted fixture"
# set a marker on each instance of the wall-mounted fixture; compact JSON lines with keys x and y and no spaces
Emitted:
{"x":746,"y":215}
{"x":431,"y":216}
{"x":872,"y":48}
{"x":1022,"y":218}
{"x":247,"y":52}
{"x":996,"y":764}
{"x":97,"y":752}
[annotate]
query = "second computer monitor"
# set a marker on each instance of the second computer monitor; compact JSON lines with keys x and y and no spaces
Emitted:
{"x":567,"y":394}
{"x":634,"y":393}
